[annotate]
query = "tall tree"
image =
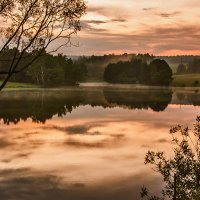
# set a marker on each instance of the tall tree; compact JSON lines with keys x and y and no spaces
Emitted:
{"x":32,"y":26}
{"x":161,"y":73}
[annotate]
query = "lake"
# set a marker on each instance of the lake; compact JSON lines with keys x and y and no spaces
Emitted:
{"x":87,"y":143}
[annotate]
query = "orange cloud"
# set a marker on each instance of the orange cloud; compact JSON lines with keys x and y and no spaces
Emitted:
{"x":139,"y":26}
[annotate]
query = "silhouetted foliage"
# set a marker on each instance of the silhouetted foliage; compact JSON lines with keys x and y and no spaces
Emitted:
{"x":161,"y":73}
{"x":157,"y":72}
{"x":96,"y":64}
{"x":185,"y":98}
{"x":182,"y":69}
{"x":184,"y":59}
{"x":43,"y":105}
{"x":134,"y":71}
{"x":32,"y":25}
{"x":194,"y":66}
{"x":47,"y":70}
{"x":155,"y":100}
{"x":181,"y":173}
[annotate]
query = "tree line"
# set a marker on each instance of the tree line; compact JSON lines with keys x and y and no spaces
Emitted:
{"x":59,"y":70}
{"x":47,"y":70}
{"x":192,"y":67}
{"x":42,"y":105}
{"x":31,"y":26}
{"x":97,"y":64}
{"x":157,"y":72}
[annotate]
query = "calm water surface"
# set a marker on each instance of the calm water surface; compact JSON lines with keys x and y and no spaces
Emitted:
{"x":86,"y":143}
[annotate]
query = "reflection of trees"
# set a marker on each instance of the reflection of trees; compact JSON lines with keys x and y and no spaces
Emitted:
{"x":39,"y":106}
{"x":189,"y":98}
{"x":43,"y":105}
{"x":155,"y":99}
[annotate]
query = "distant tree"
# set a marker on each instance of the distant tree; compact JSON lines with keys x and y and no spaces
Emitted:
{"x":144,"y":76}
{"x":96,"y":65}
{"x":74,"y":72}
{"x":56,"y":70}
{"x":157,"y":72}
{"x":181,"y":173}
{"x":194,"y":66}
{"x":182,"y":69}
{"x":145,"y":57}
{"x":32,"y":25}
{"x":134,"y":71}
{"x":161,"y":73}
{"x":108,"y":73}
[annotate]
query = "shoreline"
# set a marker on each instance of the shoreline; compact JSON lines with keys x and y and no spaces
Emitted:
{"x":95,"y":85}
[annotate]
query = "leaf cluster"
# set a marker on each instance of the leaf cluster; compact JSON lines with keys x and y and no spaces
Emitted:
{"x":181,"y":173}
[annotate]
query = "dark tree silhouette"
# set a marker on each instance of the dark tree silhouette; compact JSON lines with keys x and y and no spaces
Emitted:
{"x":32,"y":25}
{"x":181,"y":173}
{"x":194,"y":66}
{"x":181,"y":69}
{"x":135,"y":99}
{"x":157,"y":72}
{"x":161,"y":73}
{"x":134,"y":71}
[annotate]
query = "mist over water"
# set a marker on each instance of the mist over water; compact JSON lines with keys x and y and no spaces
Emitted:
{"x":87,"y":142}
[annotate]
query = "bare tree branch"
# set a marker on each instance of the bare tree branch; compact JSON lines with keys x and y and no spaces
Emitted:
{"x":32,"y":25}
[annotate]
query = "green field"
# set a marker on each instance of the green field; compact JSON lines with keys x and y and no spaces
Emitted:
{"x":20,"y":85}
{"x":186,"y":80}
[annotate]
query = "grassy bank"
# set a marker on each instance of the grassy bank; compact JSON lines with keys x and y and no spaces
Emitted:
{"x":186,"y":80}
{"x":20,"y":85}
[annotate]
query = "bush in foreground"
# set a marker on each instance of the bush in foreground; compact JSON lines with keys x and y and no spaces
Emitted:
{"x":181,"y":173}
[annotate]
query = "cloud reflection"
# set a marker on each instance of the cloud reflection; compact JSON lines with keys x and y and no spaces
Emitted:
{"x":25,"y":184}
{"x":96,"y":152}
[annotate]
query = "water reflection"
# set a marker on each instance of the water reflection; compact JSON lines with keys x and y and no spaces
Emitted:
{"x":25,"y":185}
{"x":157,"y":100}
{"x":188,"y":98}
{"x":43,"y":105}
{"x":95,"y":150}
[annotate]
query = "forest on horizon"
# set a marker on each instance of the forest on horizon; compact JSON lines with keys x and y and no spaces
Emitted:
{"x":60,"y":70}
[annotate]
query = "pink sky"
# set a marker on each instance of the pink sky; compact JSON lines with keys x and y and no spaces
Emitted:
{"x":159,"y":27}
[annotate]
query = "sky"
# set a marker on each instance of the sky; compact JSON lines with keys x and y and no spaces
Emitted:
{"x":159,"y":27}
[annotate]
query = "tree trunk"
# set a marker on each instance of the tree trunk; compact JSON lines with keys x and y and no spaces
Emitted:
{"x":175,"y":192}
